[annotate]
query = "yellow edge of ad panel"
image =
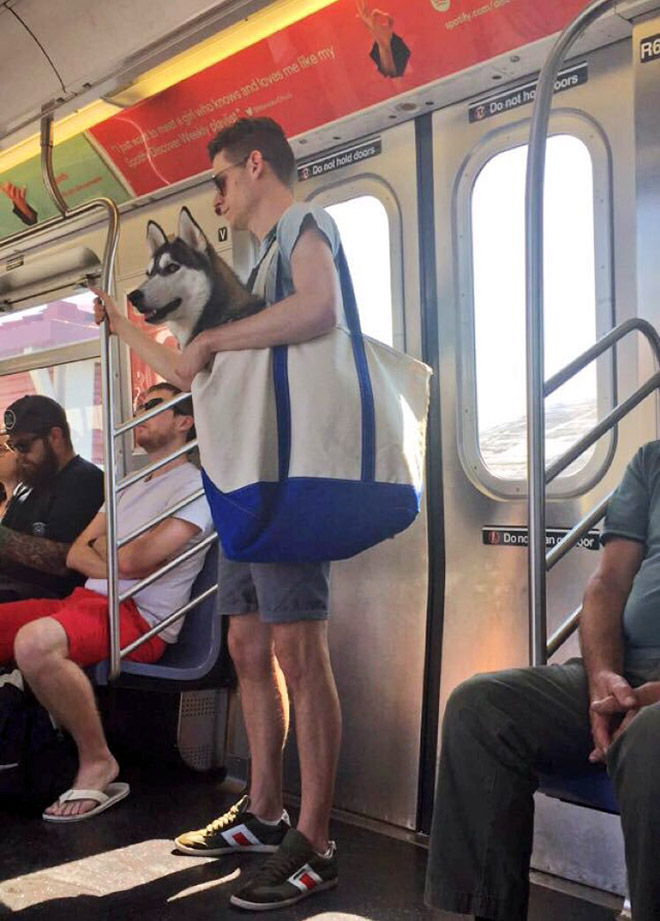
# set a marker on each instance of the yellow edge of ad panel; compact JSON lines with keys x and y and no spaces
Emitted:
{"x":226,"y":43}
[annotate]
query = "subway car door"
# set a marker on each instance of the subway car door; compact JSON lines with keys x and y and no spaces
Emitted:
{"x":379,"y":598}
{"x":590,"y":285}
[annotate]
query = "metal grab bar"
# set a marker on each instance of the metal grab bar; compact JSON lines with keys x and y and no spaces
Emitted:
{"x":603,"y":426}
{"x":167,"y":567}
{"x":562,"y":633}
{"x":535,"y":341}
{"x":571,"y":539}
{"x":172,"y":510}
{"x":603,"y":344}
{"x":170,"y":619}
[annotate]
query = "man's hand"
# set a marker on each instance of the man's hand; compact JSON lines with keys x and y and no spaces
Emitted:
{"x":611,"y":708}
{"x":379,"y":23}
{"x":194,"y":357}
{"x":612,"y":702}
{"x":105,"y":309}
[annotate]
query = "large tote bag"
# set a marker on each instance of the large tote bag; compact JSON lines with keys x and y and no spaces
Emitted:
{"x":313,"y":451}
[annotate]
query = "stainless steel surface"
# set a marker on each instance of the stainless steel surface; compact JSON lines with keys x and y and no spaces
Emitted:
{"x":571,"y":539}
{"x":378,"y":599}
{"x":47,"y":173}
{"x":535,"y":340}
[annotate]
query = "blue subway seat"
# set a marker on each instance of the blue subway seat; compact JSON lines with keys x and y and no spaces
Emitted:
{"x":199,"y":647}
{"x":591,"y":787}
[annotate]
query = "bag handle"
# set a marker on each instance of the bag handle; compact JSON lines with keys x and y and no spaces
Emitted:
{"x":281,"y":378}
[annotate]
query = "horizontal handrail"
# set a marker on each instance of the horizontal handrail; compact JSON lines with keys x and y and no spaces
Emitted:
{"x":172,"y":510}
{"x":603,"y":344}
{"x":570,"y":540}
{"x":167,"y":567}
{"x":152,"y":468}
{"x":144,"y":417}
{"x":170,"y":619}
{"x":562,"y":633}
{"x":602,"y":427}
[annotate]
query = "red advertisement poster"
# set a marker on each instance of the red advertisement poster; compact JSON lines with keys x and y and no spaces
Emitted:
{"x":344,"y":58}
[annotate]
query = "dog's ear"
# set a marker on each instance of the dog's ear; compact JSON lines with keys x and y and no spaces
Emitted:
{"x":191,"y":233}
{"x":155,"y":236}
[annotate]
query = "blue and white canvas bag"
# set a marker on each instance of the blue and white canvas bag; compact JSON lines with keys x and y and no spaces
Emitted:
{"x":313,"y":451}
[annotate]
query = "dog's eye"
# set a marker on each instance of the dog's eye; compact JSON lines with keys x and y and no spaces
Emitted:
{"x":171,"y":268}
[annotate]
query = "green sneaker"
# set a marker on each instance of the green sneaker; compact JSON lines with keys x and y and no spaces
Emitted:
{"x":293,"y":873}
{"x":235,"y":831}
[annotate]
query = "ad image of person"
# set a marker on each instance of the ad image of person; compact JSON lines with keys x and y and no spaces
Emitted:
{"x":52,"y":640}
{"x":17,"y":195}
{"x":56,"y":495}
{"x":277,"y":611}
{"x":389,"y":52}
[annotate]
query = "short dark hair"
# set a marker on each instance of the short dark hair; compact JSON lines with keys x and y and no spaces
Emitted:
{"x":184,"y":408}
{"x":262,"y":134}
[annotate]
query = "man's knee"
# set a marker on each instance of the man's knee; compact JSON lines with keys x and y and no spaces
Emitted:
{"x":478,"y":704}
{"x":38,"y":641}
{"x":630,"y":757}
{"x":250,"y":646}
{"x":301,"y":649}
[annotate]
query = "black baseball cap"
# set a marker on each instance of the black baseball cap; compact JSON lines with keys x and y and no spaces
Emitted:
{"x":34,"y":415}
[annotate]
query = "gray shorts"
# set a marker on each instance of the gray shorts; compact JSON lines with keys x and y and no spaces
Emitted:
{"x":282,"y":593}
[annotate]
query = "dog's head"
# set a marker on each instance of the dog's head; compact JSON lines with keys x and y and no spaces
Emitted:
{"x":179,"y":277}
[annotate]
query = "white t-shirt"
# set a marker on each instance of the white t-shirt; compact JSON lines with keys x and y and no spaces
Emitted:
{"x":140,"y":503}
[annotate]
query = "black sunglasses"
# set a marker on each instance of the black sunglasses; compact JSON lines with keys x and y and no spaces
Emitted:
{"x":24,"y":446}
{"x":219,"y":180}
{"x":156,"y":401}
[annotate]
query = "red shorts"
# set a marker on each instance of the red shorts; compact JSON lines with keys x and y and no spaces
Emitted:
{"x":84,"y":617}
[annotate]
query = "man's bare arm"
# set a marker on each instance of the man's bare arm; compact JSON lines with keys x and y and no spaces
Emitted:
{"x":36,"y":552}
{"x":601,"y":637}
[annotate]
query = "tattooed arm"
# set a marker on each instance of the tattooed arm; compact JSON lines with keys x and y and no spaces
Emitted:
{"x":36,"y":552}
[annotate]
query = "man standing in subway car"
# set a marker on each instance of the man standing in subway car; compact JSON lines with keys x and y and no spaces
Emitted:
{"x":57,"y":495}
{"x":278,"y":611}
{"x":501,"y":730}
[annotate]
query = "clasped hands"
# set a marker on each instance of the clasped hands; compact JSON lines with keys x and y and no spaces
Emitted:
{"x":614,"y":709}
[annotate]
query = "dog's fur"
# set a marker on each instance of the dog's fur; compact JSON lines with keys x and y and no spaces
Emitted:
{"x":188,"y":286}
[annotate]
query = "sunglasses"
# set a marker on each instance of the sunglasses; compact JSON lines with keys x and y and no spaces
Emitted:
{"x":24,"y":446}
{"x":219,"y":180}
{"x":153,"y":403}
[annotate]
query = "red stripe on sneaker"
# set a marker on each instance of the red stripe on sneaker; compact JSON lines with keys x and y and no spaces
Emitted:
{"x":307,"y":881}
{"x":239,"y":838}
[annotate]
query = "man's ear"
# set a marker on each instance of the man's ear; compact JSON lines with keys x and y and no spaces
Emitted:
{"x":155,"y":236}
{"x":191,"y":233}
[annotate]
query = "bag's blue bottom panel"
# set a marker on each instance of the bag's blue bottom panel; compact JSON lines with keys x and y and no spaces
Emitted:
{"x":308,"y":520}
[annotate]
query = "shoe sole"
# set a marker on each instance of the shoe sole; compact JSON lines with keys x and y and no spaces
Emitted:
{"x":220,"y":851}
{"x":238,"y":902}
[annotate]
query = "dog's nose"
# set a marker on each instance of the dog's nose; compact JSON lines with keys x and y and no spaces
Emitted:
{"x":136,"y":298}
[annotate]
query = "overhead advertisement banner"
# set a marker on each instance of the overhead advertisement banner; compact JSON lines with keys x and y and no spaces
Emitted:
{"x":337,"y":61}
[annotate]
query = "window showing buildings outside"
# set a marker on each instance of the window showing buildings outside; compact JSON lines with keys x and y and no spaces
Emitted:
{"x":498,"y":235}
{"x":60,"y":322}
{"x":365,"y":234}
{"x":76,"y":387}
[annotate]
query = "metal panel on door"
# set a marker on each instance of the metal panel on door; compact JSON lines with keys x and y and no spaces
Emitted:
{"x":378,"y":599}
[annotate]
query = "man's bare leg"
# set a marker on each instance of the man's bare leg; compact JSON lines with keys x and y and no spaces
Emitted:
{"x":41,"y":650}
{"x":302,"y":651}
{"x":265,"y":705}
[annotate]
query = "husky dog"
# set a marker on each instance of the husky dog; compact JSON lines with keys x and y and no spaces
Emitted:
{"x":188,"y":286}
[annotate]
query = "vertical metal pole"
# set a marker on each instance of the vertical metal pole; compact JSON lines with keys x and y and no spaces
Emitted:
{"x":535,"y":341}
{"x":107,"y":388}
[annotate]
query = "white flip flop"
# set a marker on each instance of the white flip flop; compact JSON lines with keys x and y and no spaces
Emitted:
{"x":112,"y":794}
